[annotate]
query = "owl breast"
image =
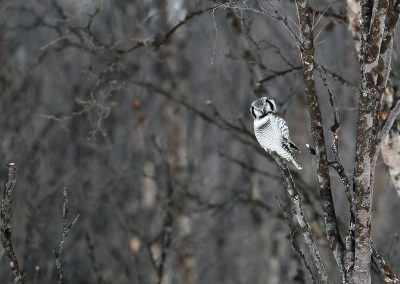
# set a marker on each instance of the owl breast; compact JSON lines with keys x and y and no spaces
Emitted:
{"x":269,"y":135}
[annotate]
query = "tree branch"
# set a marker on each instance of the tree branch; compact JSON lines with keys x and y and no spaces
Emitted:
{"x":354,"y":14}
{"x":294,"y":244}
{"x":279,"y":73}
{"x":388,"y":123}
{"x":295,"y":203}
{"x":374,"y":72}
{"x":307,"y":52}
{"x":66,"y":229}
{"x":5,"y":229}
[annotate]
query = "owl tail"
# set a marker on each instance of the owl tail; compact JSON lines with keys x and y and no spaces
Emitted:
{"x":296,"y":164}
{"x":294,"y":146}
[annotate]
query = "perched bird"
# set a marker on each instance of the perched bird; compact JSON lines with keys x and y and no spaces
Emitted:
{"x":271,"y":130}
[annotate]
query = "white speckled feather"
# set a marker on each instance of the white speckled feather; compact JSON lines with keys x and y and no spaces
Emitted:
{"x":272,"y":133}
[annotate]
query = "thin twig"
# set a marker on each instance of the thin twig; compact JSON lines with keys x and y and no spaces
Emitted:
{"x":246,"y":166}
{"x":168,"y":35}
{"x":339,"y":78}
{"x":278,"y":74}
{"x":66,"y":229}
{"x":387,"y":125}
{"x":383,"y":269}
{"x":337,"y":165}
{"x":328,"y":13}
{"x":6,"y":227}
{"x":168,"y":218}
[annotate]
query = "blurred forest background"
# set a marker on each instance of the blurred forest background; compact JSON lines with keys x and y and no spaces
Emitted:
{"x":141,"y":109}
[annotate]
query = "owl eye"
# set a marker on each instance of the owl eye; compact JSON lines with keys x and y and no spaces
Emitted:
{"x":253,"y":113}
{"x":256,"y":112}
{"x":270,"y":105}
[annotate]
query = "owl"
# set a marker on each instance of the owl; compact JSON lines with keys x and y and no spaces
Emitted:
{"x":271,"y":130}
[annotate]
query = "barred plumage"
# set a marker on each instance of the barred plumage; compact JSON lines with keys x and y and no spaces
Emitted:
{"x":271,"y":130}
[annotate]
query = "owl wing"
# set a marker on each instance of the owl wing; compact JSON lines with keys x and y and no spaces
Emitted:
{"x":283,"y":126}
{"x":285,"y":134}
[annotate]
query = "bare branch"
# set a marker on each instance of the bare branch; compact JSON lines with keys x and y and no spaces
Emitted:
{"x":383,"y":269}
{"x":295,"y":203}
{"x":307,"y":51}
{"x":294,"y":244}
{"x":329,"y":13}
{"x":66,"y":229}
{"x":247,"y":166}
{"x":388,"y":123}
{"x":168,"y":218}
{"x":278,"y":74}
{"x":6,"y":227}
{"x":338,"y":78}
{"x":167,"y":36}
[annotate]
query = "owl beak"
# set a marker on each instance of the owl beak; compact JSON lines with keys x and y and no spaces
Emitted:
{"x":263,"y":110}
{"x":260,"y":109}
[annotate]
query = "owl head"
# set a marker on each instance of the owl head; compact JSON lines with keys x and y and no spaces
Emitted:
{"x":262,"y":107}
